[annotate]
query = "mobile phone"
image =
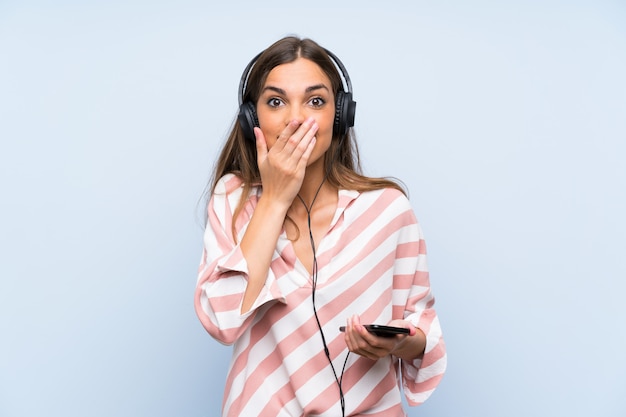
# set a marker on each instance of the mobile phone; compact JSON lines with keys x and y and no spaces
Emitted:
{"x":381,"y":331}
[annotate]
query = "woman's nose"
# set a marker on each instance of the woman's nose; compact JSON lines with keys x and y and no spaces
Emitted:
{"x":296,"y":113}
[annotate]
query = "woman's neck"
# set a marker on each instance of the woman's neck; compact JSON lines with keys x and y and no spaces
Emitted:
{"x":314,"y":187}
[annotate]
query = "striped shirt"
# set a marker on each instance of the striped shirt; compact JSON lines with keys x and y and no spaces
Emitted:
{"x":371,"y":262}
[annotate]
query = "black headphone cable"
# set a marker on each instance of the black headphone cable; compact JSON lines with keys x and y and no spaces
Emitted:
{"x":338,"y":379}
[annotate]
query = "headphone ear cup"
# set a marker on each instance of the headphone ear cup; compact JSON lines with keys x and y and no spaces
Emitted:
{"x":345,"y":110}
{"x":248,"y":120}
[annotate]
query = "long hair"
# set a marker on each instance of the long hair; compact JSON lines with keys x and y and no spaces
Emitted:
{"x":342,"y":161}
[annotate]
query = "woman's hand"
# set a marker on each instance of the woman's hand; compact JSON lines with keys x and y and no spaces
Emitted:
{"x":283,"y":165}
{"x":366,"y":344}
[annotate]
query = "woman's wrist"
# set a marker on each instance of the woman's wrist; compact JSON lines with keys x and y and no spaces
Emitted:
{"x":411,"y":347}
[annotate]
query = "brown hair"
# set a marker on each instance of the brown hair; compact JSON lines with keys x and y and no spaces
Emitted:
{"x":342,"y":160}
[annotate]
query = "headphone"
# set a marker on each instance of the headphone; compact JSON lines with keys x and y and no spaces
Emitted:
{"x":345,"y":106}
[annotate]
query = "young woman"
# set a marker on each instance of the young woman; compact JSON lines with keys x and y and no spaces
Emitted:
{"x":299,"y":243}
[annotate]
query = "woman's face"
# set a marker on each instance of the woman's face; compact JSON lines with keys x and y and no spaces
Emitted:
{"x":296,"y":91}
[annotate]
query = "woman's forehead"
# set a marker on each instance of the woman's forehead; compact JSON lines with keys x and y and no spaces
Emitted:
{"x":298,"y":72}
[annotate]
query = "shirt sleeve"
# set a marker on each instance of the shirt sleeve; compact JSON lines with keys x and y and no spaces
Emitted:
{"x":421,"y":376}
{"x":223,"y":271}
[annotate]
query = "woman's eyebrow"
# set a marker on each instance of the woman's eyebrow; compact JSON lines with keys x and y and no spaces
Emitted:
{"x":316,"y":87}
{"x":308,"y":89}
{"x":275,"y":89}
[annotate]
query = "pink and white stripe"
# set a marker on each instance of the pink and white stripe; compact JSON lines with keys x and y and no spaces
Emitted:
{"x":372,"y":262}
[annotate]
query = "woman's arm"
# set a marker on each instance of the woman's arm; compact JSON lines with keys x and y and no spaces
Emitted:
{"x":258,"y":245}
{"x":282,"y":171}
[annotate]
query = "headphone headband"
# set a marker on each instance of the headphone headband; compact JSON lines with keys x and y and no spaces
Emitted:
{"x":244,"y":77}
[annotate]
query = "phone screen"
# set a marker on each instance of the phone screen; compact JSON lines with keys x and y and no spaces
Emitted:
{"x":382,"y":331}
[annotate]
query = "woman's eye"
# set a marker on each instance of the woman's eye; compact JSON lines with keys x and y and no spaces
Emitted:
{"x":274,"y":102}
{"x":317,"y":102}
